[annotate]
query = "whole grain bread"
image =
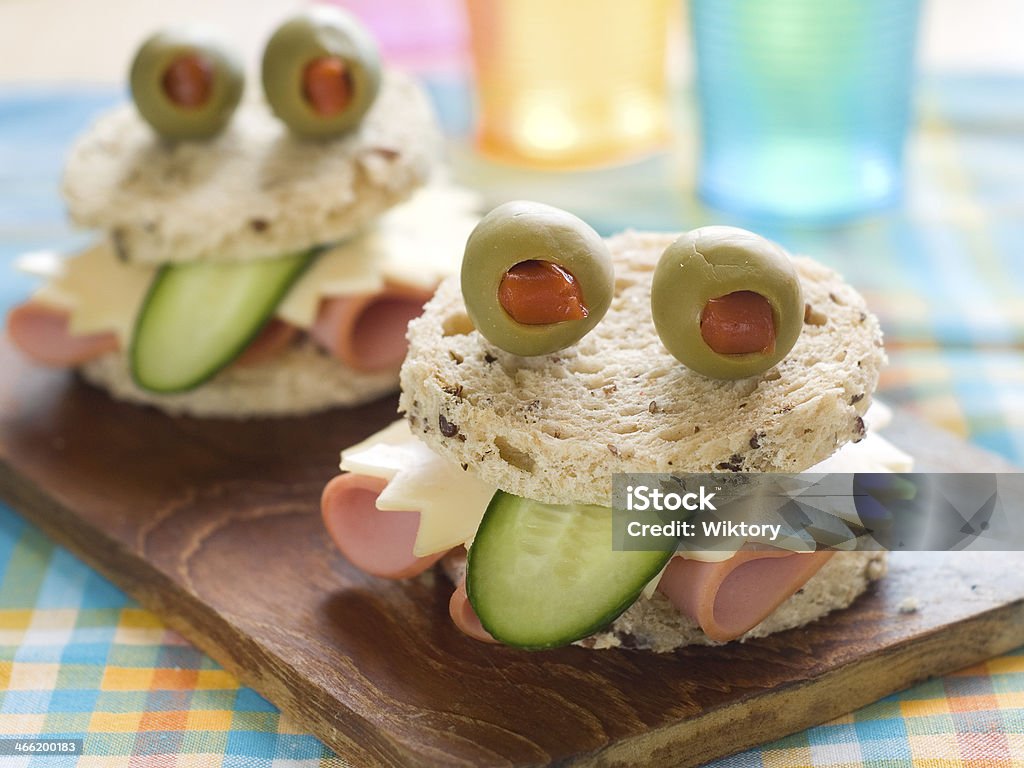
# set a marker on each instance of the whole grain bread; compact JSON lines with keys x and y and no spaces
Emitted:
{"x":302,"y":379}
{"x":554,"y":428}
{"x":254,"y":191}
{"x":654,"y":624}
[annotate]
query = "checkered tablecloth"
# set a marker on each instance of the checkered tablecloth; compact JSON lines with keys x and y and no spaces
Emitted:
{"x":78,"y":659}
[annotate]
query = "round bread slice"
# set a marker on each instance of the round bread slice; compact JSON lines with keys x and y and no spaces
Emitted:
{"x":554,"y":428}
{"x":302,"y":379}
{"x":254,"y":191}
{"x":655,"y":624}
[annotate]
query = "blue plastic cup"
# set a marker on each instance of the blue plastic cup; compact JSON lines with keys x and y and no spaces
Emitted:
{"x":804,"y":104}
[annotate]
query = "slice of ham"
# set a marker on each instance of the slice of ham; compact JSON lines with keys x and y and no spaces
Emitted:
{"x":367,"y":333}
{"x":735,"y":595}
{"x":465,"y":618}
{"x":459,"y":607}
{"x":275,"y":337}
{"x":375,"y":541}
{"x":43,"y":334}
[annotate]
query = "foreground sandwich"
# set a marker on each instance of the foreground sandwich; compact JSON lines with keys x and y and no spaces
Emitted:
{"x":257,"y":256}
{"x":527,"y":386}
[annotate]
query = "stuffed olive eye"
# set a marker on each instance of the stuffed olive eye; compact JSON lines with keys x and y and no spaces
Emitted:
{"x":321,"y":72}
{"x":186,"y":83}
{"x":726,"y":303}
{"x":535,"y":279}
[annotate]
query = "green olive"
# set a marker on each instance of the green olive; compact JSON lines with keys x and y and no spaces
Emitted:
{"x":712,"y":267}
{"x":321,"y":72}
{"x":186,"y":83}
{"x":535,"y":279}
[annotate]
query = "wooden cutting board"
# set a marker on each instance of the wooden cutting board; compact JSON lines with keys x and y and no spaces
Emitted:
{"x":215,"y":526}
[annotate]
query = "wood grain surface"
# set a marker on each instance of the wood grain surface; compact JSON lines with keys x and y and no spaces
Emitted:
{"x":215,"y":526}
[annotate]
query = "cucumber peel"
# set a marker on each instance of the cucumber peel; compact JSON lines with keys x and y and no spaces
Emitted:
{"x":544,"y":575}
{"x":199,"y":316}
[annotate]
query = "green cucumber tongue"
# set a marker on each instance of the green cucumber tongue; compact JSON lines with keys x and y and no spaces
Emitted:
{"x":545,"y":575}
{"x":198,"y":317}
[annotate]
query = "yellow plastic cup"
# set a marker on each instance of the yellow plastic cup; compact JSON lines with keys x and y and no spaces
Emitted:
{"x":570,"y":83}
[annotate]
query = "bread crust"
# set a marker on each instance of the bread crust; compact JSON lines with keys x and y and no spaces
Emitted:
{"x":555,"y":428}
{"x":302,"y":379}
{"x":254,"y":191}
{"x":656,"y":625}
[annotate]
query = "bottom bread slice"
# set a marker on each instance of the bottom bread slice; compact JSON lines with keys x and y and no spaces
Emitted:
{"x":302,"y":379}
{"x":655,"y":625}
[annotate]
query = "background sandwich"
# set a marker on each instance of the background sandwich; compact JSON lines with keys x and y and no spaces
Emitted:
{"x":254,"y":258}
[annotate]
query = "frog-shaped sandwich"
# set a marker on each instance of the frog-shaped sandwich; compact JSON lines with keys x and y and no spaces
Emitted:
{"x":561,"y":358}
{"x":257,"y":256}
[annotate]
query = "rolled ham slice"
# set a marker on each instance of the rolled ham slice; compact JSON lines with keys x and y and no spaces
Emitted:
{"x":731,"y":597}
{"x":271,"y":341}
{"x":465,"y":618}
{"x":375,"y":541}
{"x":42,"y":333}
{"x":367,"y":333}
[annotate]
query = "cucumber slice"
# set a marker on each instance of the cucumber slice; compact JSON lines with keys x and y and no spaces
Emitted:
{"x":198,"y":317}
{"x":544,"y":575}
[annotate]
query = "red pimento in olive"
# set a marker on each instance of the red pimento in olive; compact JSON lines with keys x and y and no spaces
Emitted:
{"x":327,"y":85}
{"x":188,"y":81}
{"x":738,"y":323}
{"x":538,"y":292}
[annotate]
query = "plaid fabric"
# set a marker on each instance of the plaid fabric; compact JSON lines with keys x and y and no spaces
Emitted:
{"x":78,"y":659}
{"x":946,"y":275}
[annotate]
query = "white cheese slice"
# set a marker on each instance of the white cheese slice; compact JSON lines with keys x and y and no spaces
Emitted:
{"x":423,"y":241}
{"x":451,"y":501}
{"x":347,"y":269}
{"x":44,"y":264}
{"x":418,"y":243}
{"x":878,"y":415}
{"x":101,"y":292}
{"x":872,"y":454}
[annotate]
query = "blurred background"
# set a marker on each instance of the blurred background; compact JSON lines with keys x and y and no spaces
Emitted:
{"x":91,"y":41}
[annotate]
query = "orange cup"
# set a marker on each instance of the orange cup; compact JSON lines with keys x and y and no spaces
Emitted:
{"x":571,"y":83}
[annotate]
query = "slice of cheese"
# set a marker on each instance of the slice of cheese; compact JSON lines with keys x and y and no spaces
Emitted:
{"x":878,"y":416}
{"x":417,"y":243}
{"x":44,"y":264}
{"x":452,"y":501}
{"x":423,"y":241}
{"x":872,"y":454}
{"x":347,"y":269}
{"x":101,"y":292}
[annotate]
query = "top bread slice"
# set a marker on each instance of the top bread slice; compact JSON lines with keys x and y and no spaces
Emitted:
{"x":255,"y":191}
{"x":554,"y":428}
